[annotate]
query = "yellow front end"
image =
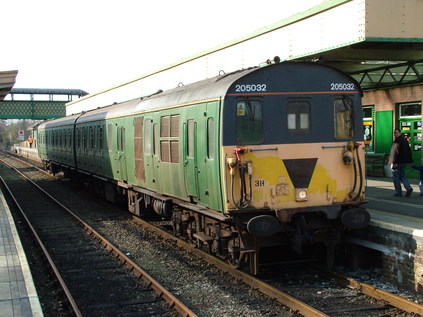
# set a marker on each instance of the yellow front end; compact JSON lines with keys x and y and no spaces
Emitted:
{"x":297,"y":177}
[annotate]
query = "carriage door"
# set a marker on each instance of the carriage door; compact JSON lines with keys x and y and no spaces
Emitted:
{"x":190,"y":160}
{"x":151,"y":154}
{"x":195,"y":153}
{"x":121,"y":157}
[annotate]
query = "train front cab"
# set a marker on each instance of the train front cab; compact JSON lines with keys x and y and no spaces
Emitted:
{"x":293,"y":157}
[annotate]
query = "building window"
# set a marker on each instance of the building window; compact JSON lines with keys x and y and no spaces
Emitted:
{"x":410,"y":110}
{"x":367,"y":113}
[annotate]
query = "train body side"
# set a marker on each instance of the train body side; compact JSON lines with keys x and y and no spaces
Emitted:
{"x":181,"y":149}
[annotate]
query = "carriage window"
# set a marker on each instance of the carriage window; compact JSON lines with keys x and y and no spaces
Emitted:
{"x":78,"y":138}
{"x":147,"y":136}
{"x":109,"y":136}
{"x":164,"y":127}
{"x":91,"y":141}
{"x":174,"y":151}
{"x":190,"y":146}
{"x":169,"y":142}
{"x":298,"y":116}
{"x":344,"y":118}
{"x":210,"y":139}
{"x":249,"y":121}
{"x":138,"y":148}
{"x":174,"y":126}
{"x":156,"y":139}
{"x":100,"y":137}
{"x":84,"y":138}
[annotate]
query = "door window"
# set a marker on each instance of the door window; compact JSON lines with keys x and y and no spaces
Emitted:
{"x":210,"y":138}
{"x":190,"y":146}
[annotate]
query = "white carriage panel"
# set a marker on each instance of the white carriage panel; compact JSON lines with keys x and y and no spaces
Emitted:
{"x":333,"y":28}
{"x":394,"y":19}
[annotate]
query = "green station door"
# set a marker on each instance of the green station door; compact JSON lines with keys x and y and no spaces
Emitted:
{"x":410,"y":123}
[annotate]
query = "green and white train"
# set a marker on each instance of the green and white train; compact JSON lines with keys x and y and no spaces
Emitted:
{"x":263,"y":157}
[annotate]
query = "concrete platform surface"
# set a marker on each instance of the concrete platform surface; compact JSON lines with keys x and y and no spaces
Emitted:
{"x":18,"y":296}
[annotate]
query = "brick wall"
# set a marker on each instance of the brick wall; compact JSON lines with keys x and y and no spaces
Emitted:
{"x":387,"y":99}
{"x":401,"y":255}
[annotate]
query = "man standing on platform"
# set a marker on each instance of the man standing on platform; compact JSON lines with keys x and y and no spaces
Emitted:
{"x":399,"y":159}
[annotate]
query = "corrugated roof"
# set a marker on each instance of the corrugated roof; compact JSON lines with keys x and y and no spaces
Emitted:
{"x":7,"y":80}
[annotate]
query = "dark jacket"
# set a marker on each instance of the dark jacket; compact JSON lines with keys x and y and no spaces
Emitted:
{"x":404,"y":152}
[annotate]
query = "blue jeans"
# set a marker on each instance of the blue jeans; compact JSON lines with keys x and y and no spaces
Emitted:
{"x":399,"y":177}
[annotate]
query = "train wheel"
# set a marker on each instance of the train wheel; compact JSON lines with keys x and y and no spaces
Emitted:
{"x":234,"y":262}
{"x":234,"y":259}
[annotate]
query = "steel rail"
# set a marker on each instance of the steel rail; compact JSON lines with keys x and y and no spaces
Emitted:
{"x":272,"y":292}
{"x":374,"y":292}
{"x":173,"y":302}
{"x":53,"y":267}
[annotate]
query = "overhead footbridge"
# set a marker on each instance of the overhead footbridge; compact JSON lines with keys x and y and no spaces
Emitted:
{"x":37,"y":104}
{"x":379,"y":42}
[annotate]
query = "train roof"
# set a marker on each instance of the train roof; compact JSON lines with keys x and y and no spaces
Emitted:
{"x":212,"y":88}
{"x":208,"y":89}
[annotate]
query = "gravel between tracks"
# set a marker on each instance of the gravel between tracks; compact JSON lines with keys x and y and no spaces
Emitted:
{"x":203,"y":288}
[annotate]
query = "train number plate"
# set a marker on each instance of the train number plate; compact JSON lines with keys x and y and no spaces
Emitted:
{"x":282,"y":189}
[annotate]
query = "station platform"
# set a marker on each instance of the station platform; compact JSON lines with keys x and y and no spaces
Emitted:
{"x":31,"y":153}
{"x":395,"y":234}
{"x":18,"y":296}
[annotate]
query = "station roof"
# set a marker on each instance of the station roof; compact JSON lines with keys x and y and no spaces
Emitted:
{"x":378,"y":42}
{"x":7,"y":80}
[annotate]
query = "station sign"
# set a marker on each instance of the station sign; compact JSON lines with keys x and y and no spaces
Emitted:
{"x":21,"y":135}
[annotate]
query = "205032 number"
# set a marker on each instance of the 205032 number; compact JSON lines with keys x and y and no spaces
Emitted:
{"x":342,"y":86}
{"x":251,"y":88}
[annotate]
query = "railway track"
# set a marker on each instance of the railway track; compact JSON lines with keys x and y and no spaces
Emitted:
{"x":312,"y":290}
{"x":96,"y":278}
{"x":308,"y":300}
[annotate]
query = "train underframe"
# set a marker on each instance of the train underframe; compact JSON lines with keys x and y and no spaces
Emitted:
{"x":234,"y":238}
{"x":227,"y":237}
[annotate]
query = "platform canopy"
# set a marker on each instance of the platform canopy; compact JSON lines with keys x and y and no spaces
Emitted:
{"x":378,"y":42}
{"x":7,"y":80}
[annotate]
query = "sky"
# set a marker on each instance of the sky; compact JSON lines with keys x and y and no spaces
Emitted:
{"x":97,"y":44}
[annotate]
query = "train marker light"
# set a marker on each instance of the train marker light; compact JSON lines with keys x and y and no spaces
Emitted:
{"x":301,"y":194}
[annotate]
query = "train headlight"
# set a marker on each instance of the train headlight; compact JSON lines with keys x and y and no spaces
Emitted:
{"x":301,"y":194}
